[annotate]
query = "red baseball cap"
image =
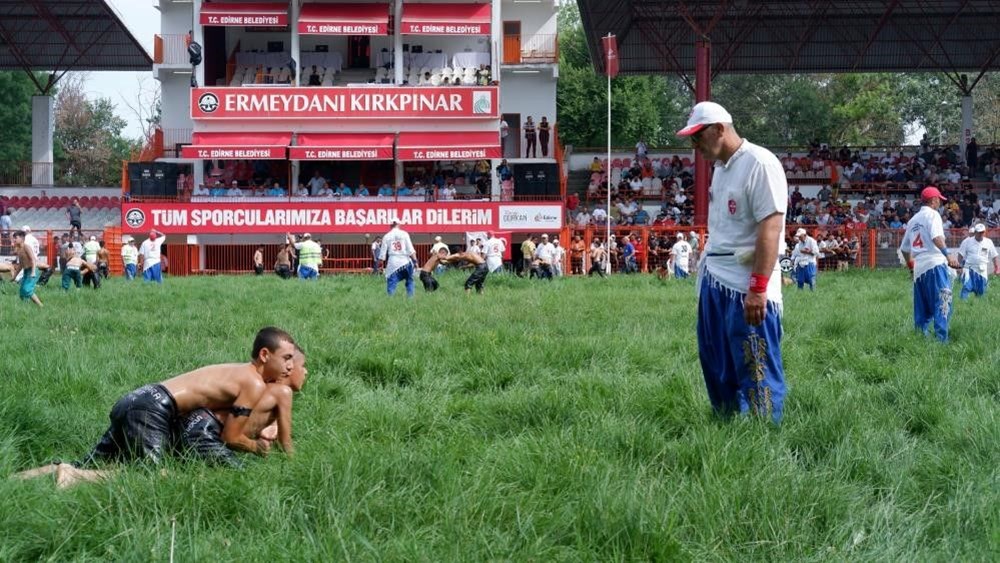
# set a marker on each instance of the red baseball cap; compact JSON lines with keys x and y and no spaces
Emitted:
{"x":931,"y":192}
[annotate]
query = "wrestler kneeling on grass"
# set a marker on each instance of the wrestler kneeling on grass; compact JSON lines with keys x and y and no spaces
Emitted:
{"x":200,"y":431}
{"x":142,"y":421}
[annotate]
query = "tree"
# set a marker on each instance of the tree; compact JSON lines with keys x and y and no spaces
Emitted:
{"x":16,"y":90}
{"x":88,"y":138}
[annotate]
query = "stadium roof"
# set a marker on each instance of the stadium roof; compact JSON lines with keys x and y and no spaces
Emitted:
{"x":62,"y":35}
{"x":798,"y":36}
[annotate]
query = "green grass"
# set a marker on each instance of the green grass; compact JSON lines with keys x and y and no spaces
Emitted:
{"x":544,"y":422}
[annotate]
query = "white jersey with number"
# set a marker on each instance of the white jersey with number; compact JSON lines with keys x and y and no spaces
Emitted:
{"x":921,"y":230}
{"x":495,"y":247}
{"x":681,"y":253}
{"x":396,"y":250}
{"x":978,"y":254}
{"x":150,"y":252}
{"x":32,"y":242}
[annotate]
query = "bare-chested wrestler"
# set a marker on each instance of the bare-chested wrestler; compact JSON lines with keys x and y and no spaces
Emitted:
{"x":200,"y":431}
{"x":142,"y":421}
{"x":479,"y":273}
{"x":427,"y":270}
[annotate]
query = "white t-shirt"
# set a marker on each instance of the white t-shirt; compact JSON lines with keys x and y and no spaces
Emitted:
{"x":745,"y":191}
{"x":681,"y":253}
{"x":396,"y":250}
{"x":129,"y":254}
{"x":495,"y":247}
{"x":801,"y":258}
{"x":921,"y":230}
{"x":150,"y":252}
{"x":978,"y":254}
{"x":558,"y":253}
{"x":32,"y":242}
{"x":544,"y":252}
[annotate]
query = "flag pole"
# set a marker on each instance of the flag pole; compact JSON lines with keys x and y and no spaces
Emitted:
{"x":607,"y":238}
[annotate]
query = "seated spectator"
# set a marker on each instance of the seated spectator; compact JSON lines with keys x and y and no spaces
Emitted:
{"x":234,"y":190}
{"x":362,"y":191}
{"x":385,"y":191}
{"x":302,"y":191}
{"x":344,"y":191}
{"x":448,"y":192}
{"x":419,"y":189}
{"x":315,"y":79}
{"x":276,"y":190}
{"x":635,"y":184}
{"x":325,"y":191}
{"x":596,"y":165}
{"x":257,"y":190}
{"x":599,"y":216}
{"x":404,"y":190}
{"x":582,"y":218}
{"x":201,"y":191}
{"x":218,"y":190}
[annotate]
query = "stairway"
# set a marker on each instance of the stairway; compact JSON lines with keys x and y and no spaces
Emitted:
{"x":577,"y":182}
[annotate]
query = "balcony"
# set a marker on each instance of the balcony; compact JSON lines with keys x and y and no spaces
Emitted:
{"x":534,"y":49}
{"x":171,"y":50}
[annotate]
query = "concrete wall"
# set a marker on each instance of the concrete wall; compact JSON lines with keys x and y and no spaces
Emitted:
{"x":175,"y":18}
{"x":175,"y":101}
{"x":529,"y":94}
{"x":540,"y":18}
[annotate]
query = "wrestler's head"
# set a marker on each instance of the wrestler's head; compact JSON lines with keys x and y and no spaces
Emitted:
{"x":273,"y":352}
{"x":297,"y":377}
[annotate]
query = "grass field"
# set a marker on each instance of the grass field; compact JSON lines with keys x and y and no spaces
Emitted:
{"x":545,"y":422}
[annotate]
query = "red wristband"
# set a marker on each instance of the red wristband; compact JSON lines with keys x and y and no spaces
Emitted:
{"x":758,"y":283}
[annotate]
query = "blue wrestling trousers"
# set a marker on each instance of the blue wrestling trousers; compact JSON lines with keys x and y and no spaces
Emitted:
{"x":806,"y":275}
{"x":973,"y":282}
{"x":932,"y":301}
{"x":741,"y":363}
{"x":679,"y":273}
{"x":403,"y":274}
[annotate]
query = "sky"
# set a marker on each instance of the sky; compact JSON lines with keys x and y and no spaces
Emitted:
{"x":143,"y":20}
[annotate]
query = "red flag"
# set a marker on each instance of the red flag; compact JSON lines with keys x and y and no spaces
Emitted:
{"x":610,"y":43}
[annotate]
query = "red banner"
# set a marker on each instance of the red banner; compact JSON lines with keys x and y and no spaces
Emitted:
{"x":238,"y":217}
{"x":468,"y":153}
{"x":610,"y":43}
{"x":234,"y":153}
{"x":445,"y":28}
{"x":328,"y":153}
{"x":244,"y":14}
{"x":439,"y":103}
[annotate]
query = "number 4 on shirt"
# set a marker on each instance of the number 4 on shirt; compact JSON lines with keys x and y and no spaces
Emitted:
{"x":917,"y":241}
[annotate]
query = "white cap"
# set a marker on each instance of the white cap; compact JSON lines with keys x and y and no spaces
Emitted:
{"x":545,"y":235}
{"x":972,"y":229}
{"x":693,"y":233}
{"x":800,"y":232}
{"x":26,"y":229}
{"x":437,"y":239}
{"x":92,"y":237}
{"x":702,"y":115}
{"x":980,"y":228}
{"x":306,"y":235}
{"x":680,"y":235}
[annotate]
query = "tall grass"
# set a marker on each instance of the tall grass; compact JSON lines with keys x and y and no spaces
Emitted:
{"x":560,"y":421}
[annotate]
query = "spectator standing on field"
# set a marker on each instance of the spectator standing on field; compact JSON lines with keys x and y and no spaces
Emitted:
{"x":527,"y":254}
{"x":399,"y":257}
{"x":680,"y":254}
{"x":150,"y":257}
{"x":558,"y":255}
{"x":376,"y":247}
{"x":543,"y":255}
{"x":804,"y":259}
{"x":977,"y":253}
{"x":130,"y":257}
{"x":258,"y":261}
{"x":740,"y":303}
{"x":310,"y":256}
{"x":73,"y":213}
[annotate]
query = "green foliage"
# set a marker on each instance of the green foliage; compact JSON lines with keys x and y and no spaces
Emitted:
{"x":16,"y":90}
{"x":772,"y":109}
{"x":89,"y":138}
{"x":529,"y":424}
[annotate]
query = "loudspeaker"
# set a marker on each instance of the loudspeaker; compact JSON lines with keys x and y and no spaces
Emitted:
{"x":536,"y":179}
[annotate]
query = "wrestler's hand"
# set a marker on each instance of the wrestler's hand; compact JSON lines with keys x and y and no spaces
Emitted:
{"x":263,"y":447}
{"x":953,"y":262}
{"x":754,"y":307}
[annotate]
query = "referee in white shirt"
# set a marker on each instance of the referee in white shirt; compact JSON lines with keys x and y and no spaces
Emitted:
{"x":739,"y":305}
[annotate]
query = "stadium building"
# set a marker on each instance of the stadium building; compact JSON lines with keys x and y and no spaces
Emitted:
{"x":375,"y":94}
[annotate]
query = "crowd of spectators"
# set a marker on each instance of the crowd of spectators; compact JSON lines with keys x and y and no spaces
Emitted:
{"x":456,"y":180}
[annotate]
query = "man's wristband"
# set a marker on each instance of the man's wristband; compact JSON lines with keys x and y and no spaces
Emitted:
{"x":944,"y":251}
{"x":758,"y":283}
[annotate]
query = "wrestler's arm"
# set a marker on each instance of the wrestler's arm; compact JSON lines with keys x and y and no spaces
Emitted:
{"x":232,"y":433}
{"x":283,"y":396}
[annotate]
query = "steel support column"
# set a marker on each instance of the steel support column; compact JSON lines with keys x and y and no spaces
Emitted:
{"x":702,"y":93}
